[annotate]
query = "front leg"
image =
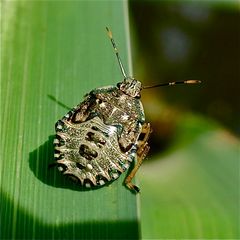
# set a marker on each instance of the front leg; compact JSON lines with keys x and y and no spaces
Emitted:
{"x":142,"y":150}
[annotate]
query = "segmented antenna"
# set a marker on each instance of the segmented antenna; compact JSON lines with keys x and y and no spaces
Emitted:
{"x":173,"y":83}
{"x":144,"y":87}
{"x":116,"y":52}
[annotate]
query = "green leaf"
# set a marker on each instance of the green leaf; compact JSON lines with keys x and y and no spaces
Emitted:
{"x":54,"y":52}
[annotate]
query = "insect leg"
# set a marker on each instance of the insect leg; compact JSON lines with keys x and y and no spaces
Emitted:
{"x":142,"y":151}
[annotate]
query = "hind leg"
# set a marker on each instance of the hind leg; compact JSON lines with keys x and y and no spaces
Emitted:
{"x":142,"y":150}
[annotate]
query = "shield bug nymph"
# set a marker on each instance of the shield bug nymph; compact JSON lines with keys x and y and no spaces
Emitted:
{"x":102,"y":136}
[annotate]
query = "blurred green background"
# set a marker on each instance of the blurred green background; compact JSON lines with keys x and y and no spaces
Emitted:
{"x":53,"y":52}
{"x":180,"y":40}
{"x":190,"y":181}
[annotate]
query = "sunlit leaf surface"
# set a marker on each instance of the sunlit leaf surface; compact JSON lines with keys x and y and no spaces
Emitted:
{"x":53,"y":52}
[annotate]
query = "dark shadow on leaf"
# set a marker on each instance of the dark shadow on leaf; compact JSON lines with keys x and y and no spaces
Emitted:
{"x":28,"y":226}
{"x":39,"y":161}
{"x":59,"y":102}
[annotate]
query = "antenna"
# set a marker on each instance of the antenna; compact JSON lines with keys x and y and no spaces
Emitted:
{"x":173,"y":83}
{"x":116,"y":52}
{"x":144,"y":87}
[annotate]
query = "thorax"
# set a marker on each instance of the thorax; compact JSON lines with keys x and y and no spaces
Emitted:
{"x":117,"y":107}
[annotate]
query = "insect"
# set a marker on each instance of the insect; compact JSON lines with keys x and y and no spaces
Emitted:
{"x":102,"y":136}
